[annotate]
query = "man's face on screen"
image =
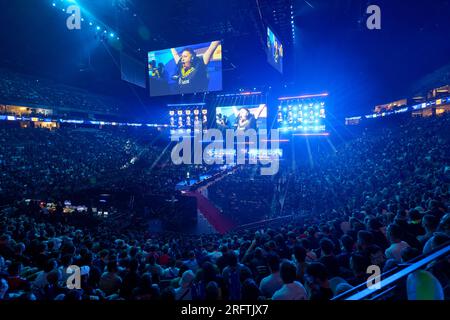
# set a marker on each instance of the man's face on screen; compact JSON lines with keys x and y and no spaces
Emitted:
{"x":186,"y":58}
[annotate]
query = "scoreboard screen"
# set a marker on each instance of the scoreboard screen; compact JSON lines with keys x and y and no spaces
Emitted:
{"x":188,"y":117}
{"x":302,"y":115}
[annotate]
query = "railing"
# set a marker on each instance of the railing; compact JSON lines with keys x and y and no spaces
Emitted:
{"x":390,"y":281}
{"x":261,"y":224}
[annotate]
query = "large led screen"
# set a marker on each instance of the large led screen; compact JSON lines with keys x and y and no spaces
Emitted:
{"x":190,"y":69}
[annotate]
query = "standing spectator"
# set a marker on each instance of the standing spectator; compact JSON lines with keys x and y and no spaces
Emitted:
{"x":110,"y":282}
{"x":291,"y":289}
{"x":397,"y":245}
{"x":272,"y":283}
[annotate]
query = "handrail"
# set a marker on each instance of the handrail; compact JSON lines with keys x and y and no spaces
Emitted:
{"x":390,"y":277}
{"x":261,"y":223}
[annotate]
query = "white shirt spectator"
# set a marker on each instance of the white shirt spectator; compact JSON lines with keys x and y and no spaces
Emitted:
{"x":395,"y":250}
{"x":270,"y":284}
{"x":291,"y":291}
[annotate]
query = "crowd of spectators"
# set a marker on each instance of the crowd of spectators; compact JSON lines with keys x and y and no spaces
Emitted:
{"x":37,"y":163}
{"x":41,"y":164}
{"x":380,"y":199}
{"x":382,"y":168}
{"x":25,"y":90}
{"x":245,"y":196}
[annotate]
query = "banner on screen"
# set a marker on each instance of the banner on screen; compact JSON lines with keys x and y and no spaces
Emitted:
{"x":242,"y":117}
{"x":275,"y":51}
{"x":190,"y":69}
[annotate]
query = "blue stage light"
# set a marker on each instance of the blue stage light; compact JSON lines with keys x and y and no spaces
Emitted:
{"x":111,"y":34}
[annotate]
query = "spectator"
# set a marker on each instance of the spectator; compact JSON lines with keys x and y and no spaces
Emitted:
{"x":291,"y":289}
{"x":317,"y":282}
{"x":272,"y":283}
{"x":184,"y":292}
{"x":397,"y":245}
{"x":110,"y":282}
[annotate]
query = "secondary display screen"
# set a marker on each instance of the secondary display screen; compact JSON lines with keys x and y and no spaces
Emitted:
{"x":188,"y":117}
{"x":190,"y":69}
{"x":302,"y":115}
{"x":242,"y":117}
{"x":275,"y":51}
